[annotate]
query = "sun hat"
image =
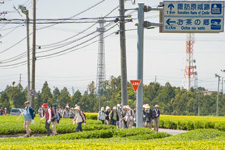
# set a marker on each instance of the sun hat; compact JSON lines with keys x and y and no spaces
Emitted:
{"x":67,"y":106}
{"x":107,"y":107}
{"x":114,"y":108}
{"x":147,"y":106}
{"x":27,"y":102}
{"x":157,"y":106}
{"x":102,"y":109}
{"x":118,"y":105}
{"x":44,"y":105}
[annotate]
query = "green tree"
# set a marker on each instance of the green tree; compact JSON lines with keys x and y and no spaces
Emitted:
{"x":76,"y":97}
{"x":64,"y":97}
{"x":46,"y":94}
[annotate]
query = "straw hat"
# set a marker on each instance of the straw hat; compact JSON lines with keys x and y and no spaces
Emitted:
{"x":147,"y":106}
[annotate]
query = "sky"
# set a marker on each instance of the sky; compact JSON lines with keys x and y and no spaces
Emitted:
{"x":164,"y":53}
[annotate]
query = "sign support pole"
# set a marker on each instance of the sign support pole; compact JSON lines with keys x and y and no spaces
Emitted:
{"x":139,"y":103}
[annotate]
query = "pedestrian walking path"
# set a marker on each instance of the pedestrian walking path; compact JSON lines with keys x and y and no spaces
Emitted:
{"x":173,"y":132}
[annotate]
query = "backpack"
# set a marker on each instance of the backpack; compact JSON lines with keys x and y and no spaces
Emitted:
{"x":34,"y":113}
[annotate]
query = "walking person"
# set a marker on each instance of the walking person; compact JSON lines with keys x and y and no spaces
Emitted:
{"x":156,"y":114}
{"x":144,"y":115}
{"x":149,"y":117}
{"x":124,"y":117}
{"x":79,"y":118}
{"x":101,"y":115}
{"x":130,"y":117}
{"x":107,"y":115}
{"x":66,"y":112}
{"x":5,"y":112}
{"x":113,"y":116}
{"x":55,"y":119}
{"x":47,"y":117}
{"x":119,"y":112}
{"x":28,"y":116}
{"x":1,"y":111}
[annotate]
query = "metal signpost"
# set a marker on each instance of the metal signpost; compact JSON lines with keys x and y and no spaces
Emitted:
{"x":193,"y":16}
{"x":176,"y":17}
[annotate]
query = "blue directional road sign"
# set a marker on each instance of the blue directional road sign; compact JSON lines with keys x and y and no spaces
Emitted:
{"x":193,"y":16}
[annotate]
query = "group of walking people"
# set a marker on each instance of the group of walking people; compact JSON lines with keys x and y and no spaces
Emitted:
{"x":3,"y":111}
{"x":125,"y":117}
{"x":51,"y":114}
{"x":122,"y":117}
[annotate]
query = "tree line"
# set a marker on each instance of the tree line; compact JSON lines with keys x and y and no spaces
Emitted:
{"x":171,"y":100}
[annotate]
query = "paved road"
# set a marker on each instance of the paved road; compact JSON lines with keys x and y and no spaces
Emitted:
{"x":173,"y":132}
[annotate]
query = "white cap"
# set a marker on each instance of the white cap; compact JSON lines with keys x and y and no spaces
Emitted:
{"x":77,"y":108}
{"x":157,"y":106}
{"x":107,"y":107}
{"x":118,"y":105}
{"x":67,"y":106}
{"x":114,"y":108}
{"x":102,"y":108}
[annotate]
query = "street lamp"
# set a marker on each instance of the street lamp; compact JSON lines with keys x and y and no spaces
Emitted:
{"x":26,"y":12}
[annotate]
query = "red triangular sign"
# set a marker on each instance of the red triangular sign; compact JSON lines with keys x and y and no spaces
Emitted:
{"x":135,"y":84}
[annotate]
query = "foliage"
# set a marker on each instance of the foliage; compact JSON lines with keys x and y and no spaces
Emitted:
{"x":193,"y":140}
{"x":171,"y":100}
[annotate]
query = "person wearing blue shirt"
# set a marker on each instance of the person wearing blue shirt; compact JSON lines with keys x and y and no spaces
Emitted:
{"x":28,"y":116}
{"x":156,"y":114}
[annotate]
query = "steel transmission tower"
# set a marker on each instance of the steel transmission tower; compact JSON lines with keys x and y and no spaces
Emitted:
{"x":190,"y":75}
{"x":101,"y":58}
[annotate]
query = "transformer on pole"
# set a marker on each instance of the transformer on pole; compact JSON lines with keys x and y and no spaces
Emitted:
{"x":190,"y":74}
{"x":101,"y":59}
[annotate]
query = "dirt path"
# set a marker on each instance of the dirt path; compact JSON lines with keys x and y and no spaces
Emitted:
{"x":173,"y":132}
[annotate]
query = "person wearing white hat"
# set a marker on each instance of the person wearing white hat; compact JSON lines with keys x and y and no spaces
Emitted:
{"x":156,"y":114}
{"x":66,"y":112}
{"x":149,"y":116}
{"x":101,"y":115}
{"x":119,"y":111}
{"x":5,"y":112}
{"x":107,"y":115}
{"x":130,"y":116}
{"x":124,"y":117}
{"x":113,"y":116}
{"x":79,"y":118}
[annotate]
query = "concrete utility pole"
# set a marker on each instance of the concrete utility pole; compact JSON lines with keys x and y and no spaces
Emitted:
{"x":123,"y":54}
{"x":20,"y":79}
{"x":34,"y":51}
{"x":218,"y":91}
{"x":222,"y":85}
{"x":140,"y":53}
{"x":26,"y":12}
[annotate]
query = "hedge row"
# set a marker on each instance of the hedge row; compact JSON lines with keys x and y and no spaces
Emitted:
{"x":191,"y":125}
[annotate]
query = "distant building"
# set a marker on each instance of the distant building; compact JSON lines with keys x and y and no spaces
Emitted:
{"x":207,"y":92}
